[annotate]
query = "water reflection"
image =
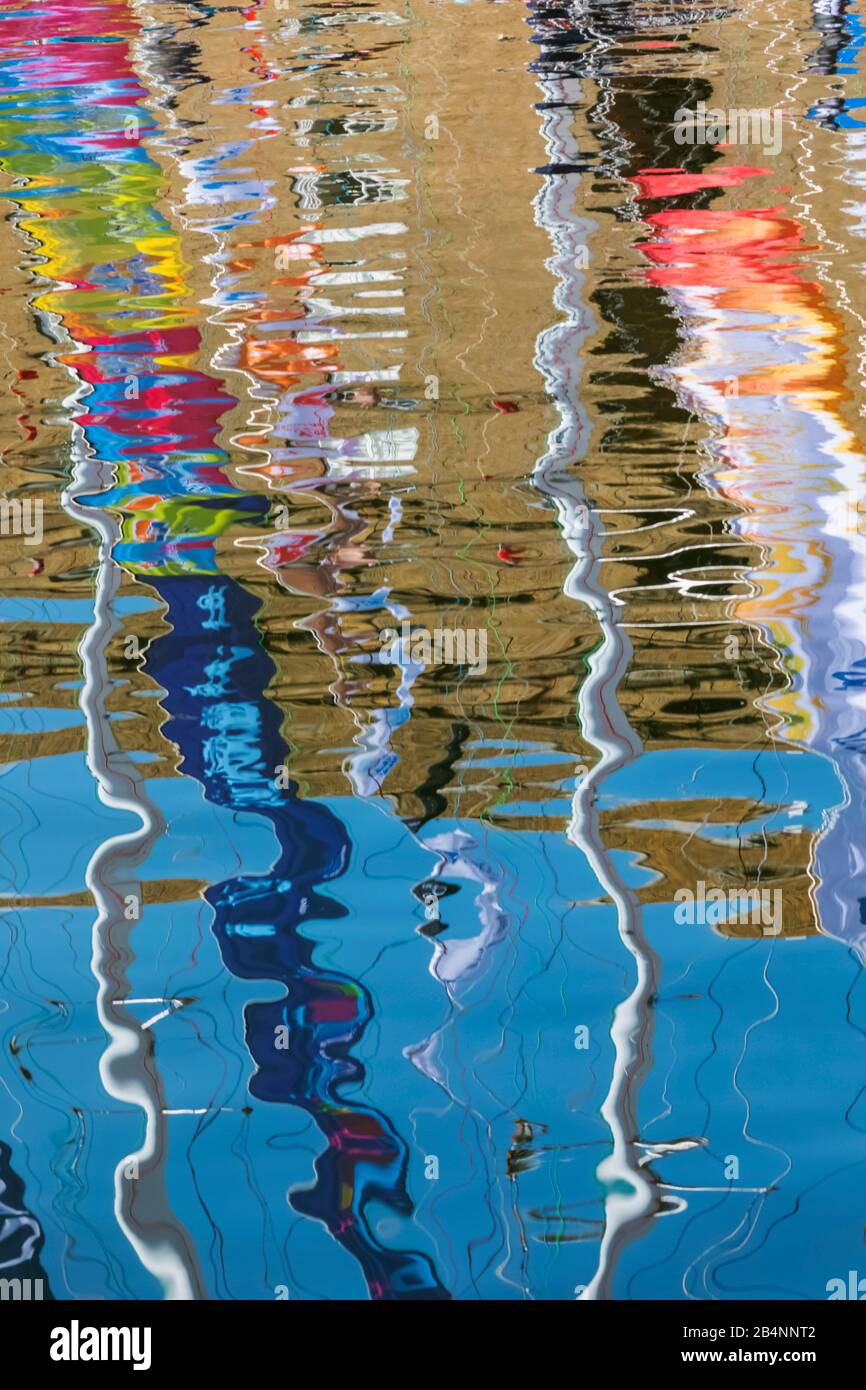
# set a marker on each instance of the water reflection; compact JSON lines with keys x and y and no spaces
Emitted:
{"x":368,"y":962}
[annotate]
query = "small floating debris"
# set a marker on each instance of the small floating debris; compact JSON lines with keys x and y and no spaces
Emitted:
{"x":672,"y":1146}
{"x":509,"y":556}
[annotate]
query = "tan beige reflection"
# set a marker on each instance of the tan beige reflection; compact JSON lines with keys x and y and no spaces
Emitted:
{"x":475,"y":294}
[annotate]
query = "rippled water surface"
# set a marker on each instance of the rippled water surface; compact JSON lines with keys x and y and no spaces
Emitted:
{"x":339,"y":960}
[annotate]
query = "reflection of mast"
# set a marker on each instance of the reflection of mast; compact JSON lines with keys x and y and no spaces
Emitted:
{"x":127,"y":1067}
{"x":630,"y":1196}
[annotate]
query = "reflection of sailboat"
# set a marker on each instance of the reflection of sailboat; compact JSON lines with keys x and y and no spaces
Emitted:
{"x":457,"y":961}
{"x":302,"y":1042}
{"x":141,"y":1202}
{"x":215,"y":672}
{"x":230,"y":735}
{"x":122,"y":317}
{"x":631,"y":133}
